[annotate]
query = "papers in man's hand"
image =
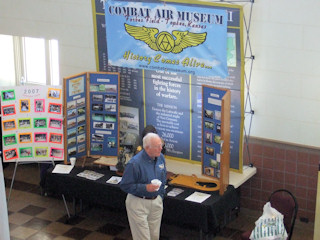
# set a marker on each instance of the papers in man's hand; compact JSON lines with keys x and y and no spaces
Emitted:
{"x":198,"y":197}
{"x":114,"y":180}
{"x":91,"y":175}
{"x":175,"y":192}
{"x":62,"y":169}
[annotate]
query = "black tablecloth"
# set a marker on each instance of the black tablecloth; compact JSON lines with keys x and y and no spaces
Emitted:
{"x":204,"y":216}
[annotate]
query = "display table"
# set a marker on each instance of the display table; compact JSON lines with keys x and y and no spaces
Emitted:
{"x":206,"y":216}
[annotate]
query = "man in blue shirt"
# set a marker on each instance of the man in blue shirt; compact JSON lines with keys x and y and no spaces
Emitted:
{"x":144,"y":200}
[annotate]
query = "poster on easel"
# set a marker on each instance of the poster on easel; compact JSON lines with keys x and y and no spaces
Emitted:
{"x":75,"y":100}
{"x":32,"y":121}
{"x":92,"y":113}
{"x":216,"y":134}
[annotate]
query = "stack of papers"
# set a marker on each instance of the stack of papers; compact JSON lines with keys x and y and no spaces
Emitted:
{"x":91,"y":175}
{"x":114,"y":180}
{"x":175,"y":192}
{"x":198,"y":197}
{"x":62,"y":169}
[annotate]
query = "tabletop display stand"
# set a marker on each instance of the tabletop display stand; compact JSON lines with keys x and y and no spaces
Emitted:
{"x":216,"y":135}
{"x":92,"y":102}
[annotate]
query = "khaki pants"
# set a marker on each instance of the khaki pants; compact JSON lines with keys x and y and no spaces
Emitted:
{"x":144,"y":217}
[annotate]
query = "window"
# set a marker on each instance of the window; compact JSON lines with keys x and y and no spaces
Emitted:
{"x":27,"y":60}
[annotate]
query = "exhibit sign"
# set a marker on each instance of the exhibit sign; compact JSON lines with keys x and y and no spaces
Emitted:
{"x":92,"y":113}
{"x":76,"y":119}
{"x":165,"y":36}
{"x":172,"y":101}
{"x":32,"y":123}
{"x":215,"y":130}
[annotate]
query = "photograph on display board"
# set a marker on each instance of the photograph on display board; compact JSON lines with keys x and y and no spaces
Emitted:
{"x":8,"y":110}
{"x":41,"y":151}
{"x":11,"y":154}
{"x":24,"y":123}
{"x":40,"y":123}
{"x":25,"y":152}
{"x":55,"y":123}
{"x":55,"y":108}
{"x":40,"y":137}
{"x":25,"y":105}
{"x":55,"y":138}
{"x":9,"y":125}
{"x":25,"y":137}
{"x":8,"y":95}
{"x":9,"y":139}
{"x":54,"y":93}
{"x":56,"y":152}
{"x":39,"y":105}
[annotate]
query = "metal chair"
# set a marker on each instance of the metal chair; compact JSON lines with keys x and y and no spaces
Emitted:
{"x":286,"y":203}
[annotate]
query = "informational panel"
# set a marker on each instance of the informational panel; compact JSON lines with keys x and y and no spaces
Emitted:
{"x":32,"y":123}
{"x":104,"y":113}
{"x":172,"y":101}
{"x":212,"y":136}
{"x":76,"y":119}
{"x":92,"y":114}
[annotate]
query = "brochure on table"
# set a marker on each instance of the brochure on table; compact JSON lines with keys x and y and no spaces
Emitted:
{"x":32,"y":123}
{"x":92,"y":103}
{"x":216,"y":134}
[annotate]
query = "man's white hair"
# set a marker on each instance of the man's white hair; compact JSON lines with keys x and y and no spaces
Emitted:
{"x":147,"y":139}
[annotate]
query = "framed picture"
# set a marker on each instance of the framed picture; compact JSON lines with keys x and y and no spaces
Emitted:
{"x":9,"y":139}
{"x":56,"y":152}
{"x":8,"y":110}
{"x":40,"y":123}
{"x":54,"y":93}
{"x":41,"y":151}
{"x":9,"y":125}
{"x":10,"y":154}
{"x":25,"y":137}
{"x":39,"y":105}
{"x":55,"y":123}
{"x":25,"y":152}
{"x":55,"y":108}
{"x":40,"y":137}
{"x":55,"y":138}
{"x":8,"y":95}
{"x":25,"y":105}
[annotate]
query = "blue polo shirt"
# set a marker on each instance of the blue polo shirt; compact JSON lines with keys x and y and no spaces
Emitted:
{"x":139,"y":172}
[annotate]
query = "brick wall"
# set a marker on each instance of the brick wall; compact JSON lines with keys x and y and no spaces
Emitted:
{"x":280,"y":165}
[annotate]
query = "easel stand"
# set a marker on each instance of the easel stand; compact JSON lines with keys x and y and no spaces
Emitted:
{"x":15,"y":170}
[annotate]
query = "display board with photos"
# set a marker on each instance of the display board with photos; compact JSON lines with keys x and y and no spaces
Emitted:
{"x":216,"y":134}
{"x":91,"y":123}
{"x":104,"y":113}
{"x":75,"y":100}
{"x":32,"y":123}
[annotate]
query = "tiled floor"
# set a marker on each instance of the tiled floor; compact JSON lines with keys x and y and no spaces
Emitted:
{"x":36,"y":217}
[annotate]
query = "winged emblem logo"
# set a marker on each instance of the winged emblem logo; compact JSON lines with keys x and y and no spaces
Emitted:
{"x":164,"y":41}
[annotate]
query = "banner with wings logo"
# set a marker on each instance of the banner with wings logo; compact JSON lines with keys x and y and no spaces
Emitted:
{"x":168,"y":37}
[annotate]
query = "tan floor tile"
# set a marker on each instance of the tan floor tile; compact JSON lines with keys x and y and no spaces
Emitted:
{"x":52,"y":214}
{"x":63,"y":238}
{"x":91,"y":224}
{"x":57,"y":228}
{"x":22,"y":232}
{"x":98,"y":236}
{"x":19,"y":218}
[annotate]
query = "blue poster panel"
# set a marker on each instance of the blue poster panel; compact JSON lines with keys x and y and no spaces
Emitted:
{"x":104,"y":113}
{"x":211,"y":130}
{"x":75,"y":116}
{"x":171,"y":37}
{"x":138,"y":89}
